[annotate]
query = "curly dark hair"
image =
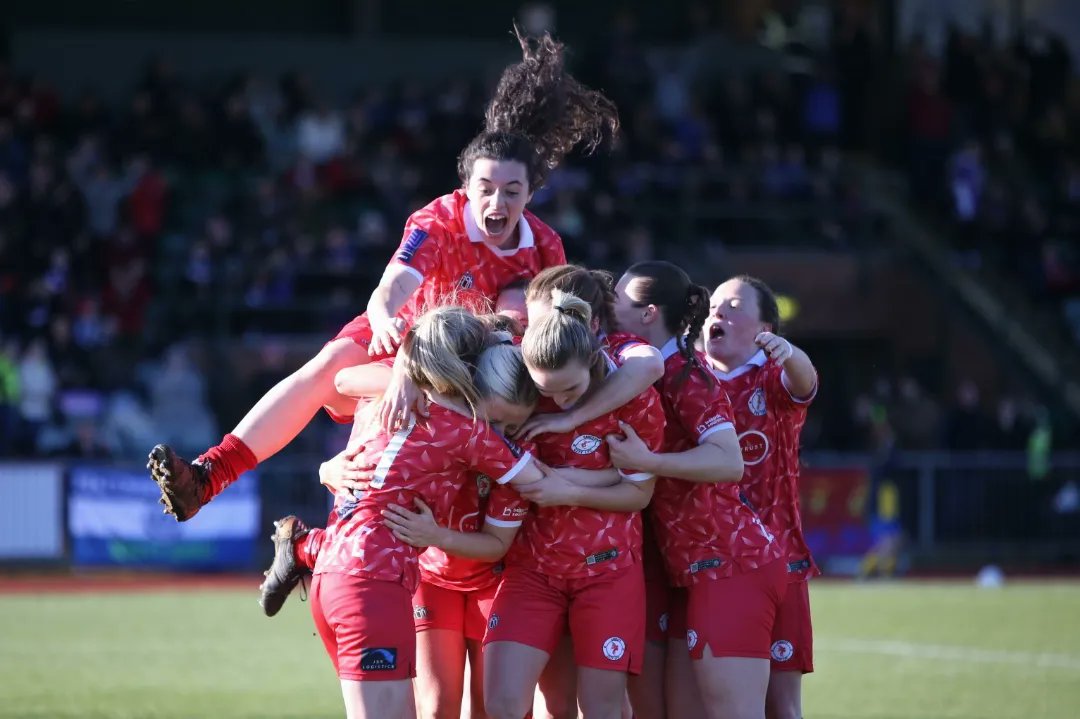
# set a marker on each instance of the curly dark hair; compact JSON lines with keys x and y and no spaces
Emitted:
{"x":540,"y":113}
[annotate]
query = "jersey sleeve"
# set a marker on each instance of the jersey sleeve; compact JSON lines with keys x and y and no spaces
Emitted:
{"x":419,"y":252}
{"x":778,"y":391}
{"x":702,"y":408}
{"x":619,"y":343}
{"x":496,"y":456}
{"x":645,"y":415}
{"x":506,"y":508}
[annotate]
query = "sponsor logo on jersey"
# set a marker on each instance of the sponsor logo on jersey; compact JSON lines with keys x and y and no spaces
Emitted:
{"x":420,"y":612}
{"x":704,"y":564}
{"x":586,"y":444}
{"x":799,"y":565}
{"x":614,"y":648}
{"x":756,"y":403}
{"x":691,"y":638}
{"x":411,"y":245}
{"x":378,"y":659}
{"x":710,"y":423}
{"x":604,"y":556}
{"x":483,"y":485}
{"x":466,"y":282}
{"x":782,"y":650}
{"x":755,"y":446}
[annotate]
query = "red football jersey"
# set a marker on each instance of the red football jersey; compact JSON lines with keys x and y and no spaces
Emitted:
{"x":445,"y":250}
{"x":430,"y":460}
{"x":769,"y":421}
{"x":617,"y":343}
{"x":478,"y":501}
{"x":578,"y":541}
{"x":705,"y":530}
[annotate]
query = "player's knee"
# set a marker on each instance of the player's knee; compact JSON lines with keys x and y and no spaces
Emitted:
{"x":504,"y":705}
{"x":562,"y":706}
{"x":782,"y":710}
{"x":601,"y":706}
{"x":439,"y":711}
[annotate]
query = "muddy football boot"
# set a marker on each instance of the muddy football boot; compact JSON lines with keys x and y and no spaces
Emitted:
{"x":284,"y":574}
{"x":183,"y":484}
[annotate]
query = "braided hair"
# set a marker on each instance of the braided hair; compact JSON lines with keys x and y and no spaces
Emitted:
{"x":683,"y":306}
{"x":539,"y":113}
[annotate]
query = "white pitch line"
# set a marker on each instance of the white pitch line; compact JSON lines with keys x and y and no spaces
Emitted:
{"x":949,"y":653}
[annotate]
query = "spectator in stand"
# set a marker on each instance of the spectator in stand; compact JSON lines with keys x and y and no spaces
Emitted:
{"x":915,"y":417}
{"x":929,"y":120}
{"x":967,"y":179}
{"x":9,"y":397}
{"x":966,"y":424}
{"x":178,"y":401}
{"x":37,"y":383}
{"x":321,"y":135}
{"x":1012,"y":428}
{"x":101,"y":188}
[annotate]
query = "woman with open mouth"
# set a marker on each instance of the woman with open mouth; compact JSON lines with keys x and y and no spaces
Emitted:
{"x":771,"y":383}
{"x":466,"y":245}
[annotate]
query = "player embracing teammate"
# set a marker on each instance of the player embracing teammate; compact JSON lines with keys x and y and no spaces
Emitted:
{"x":467,"y":245}
{"x":696,"y":606}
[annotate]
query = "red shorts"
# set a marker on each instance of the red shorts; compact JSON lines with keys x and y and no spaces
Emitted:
{"x":466,"y":613}
{"x":606,"y":615}
{"x":793,"y":635}
{"x":733,"y":616}
{"x":657,"y":610}
{"x":366,"y":626}
{"x":358,"y":330}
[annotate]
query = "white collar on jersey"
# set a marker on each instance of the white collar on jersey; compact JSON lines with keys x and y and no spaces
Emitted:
{"x":670,"y":347}
{"x":758,"y":360}
{"x":526,"y":241}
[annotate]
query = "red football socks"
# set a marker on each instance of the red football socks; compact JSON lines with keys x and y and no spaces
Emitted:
{"x":228,"y":461}
{"x":306,"y":549}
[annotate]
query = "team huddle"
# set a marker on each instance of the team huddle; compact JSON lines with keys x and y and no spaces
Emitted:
{"x":546,"y":476}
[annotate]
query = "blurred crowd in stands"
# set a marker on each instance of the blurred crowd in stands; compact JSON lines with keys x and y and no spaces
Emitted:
{"x":141,"y":236}
{"x":993,"y":142}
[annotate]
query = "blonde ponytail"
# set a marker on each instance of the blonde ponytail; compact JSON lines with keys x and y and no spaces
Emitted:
{"x":563,"y":335}
{"x":442,"y":349}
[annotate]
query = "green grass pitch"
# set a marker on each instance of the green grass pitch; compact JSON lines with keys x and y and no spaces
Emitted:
{"x":906,"y":650}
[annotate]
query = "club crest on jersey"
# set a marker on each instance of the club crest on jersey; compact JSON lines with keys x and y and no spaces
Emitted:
{"x":585,"y":444}
{"x":754,"y":445}
{"x":663,"y":622}
{"x":466,"y":282}
{"x":483,"y":485}
{"x":494,"y":621}
{"x":756,"y":403}
{"x":691,"y":638}
{"x":614,"y":648}
{"x":782,"y":650}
